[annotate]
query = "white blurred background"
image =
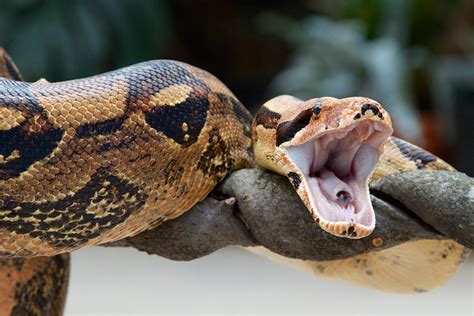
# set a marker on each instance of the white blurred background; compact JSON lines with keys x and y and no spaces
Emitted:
{"x":233,"y":280}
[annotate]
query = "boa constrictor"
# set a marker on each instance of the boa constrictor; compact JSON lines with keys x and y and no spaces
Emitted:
{"x":95,"y":160}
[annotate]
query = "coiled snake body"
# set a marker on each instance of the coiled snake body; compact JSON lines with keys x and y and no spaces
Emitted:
{"x":99,"y":159}
{"x":95,"y":160}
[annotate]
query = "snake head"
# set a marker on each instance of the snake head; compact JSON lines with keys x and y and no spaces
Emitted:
{"x":328,"y":148}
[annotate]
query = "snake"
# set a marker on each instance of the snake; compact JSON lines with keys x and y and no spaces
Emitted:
{"x":95,"y":160}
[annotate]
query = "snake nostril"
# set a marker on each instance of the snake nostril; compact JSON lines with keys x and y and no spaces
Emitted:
{"x":343,"y":197}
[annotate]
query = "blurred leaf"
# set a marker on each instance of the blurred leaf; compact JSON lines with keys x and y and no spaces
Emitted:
{"x":70,"y":39}
{"x":334,"y":58}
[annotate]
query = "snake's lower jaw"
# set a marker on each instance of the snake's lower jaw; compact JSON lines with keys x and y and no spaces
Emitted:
{"x":334,"y":169}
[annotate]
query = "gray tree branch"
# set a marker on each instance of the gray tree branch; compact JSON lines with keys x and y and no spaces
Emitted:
{"x":261,"y":208}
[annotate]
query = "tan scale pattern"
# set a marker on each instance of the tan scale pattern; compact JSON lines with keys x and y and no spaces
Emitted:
{"x":137,"y":146}
{"x":86,"y":102}
{"x":29,"y":286}
{"x":33,"y":286}
{"x":393,"y":161}
{"x":10,"y":118}
{"x":412,"y":267}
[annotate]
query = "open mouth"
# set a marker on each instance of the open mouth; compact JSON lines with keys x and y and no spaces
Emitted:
{"x":336,"y":167}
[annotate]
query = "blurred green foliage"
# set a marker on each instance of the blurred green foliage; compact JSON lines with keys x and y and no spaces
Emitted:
{"x":388,"y":50}
{"x":70,"y":39}
{"x":425,"y":22}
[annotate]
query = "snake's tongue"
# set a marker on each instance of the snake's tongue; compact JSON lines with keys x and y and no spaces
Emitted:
{"x":335,"y":169}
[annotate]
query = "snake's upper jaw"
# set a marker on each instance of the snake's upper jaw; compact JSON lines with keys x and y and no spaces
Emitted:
{"x":333,"y":169}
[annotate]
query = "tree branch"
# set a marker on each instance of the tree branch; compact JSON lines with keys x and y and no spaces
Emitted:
{"x":268,"y":212}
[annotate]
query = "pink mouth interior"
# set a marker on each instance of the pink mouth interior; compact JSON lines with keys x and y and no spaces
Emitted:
{"x":336,"y":167}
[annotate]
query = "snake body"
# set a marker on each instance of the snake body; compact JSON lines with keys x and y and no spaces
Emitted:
{"x":31,"y":286}
{"x":95,"y":160}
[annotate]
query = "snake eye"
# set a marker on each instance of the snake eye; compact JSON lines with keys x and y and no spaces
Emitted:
{"x":317,"y":108}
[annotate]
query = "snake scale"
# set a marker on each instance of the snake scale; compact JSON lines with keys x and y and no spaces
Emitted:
{"x":95,"y":160}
